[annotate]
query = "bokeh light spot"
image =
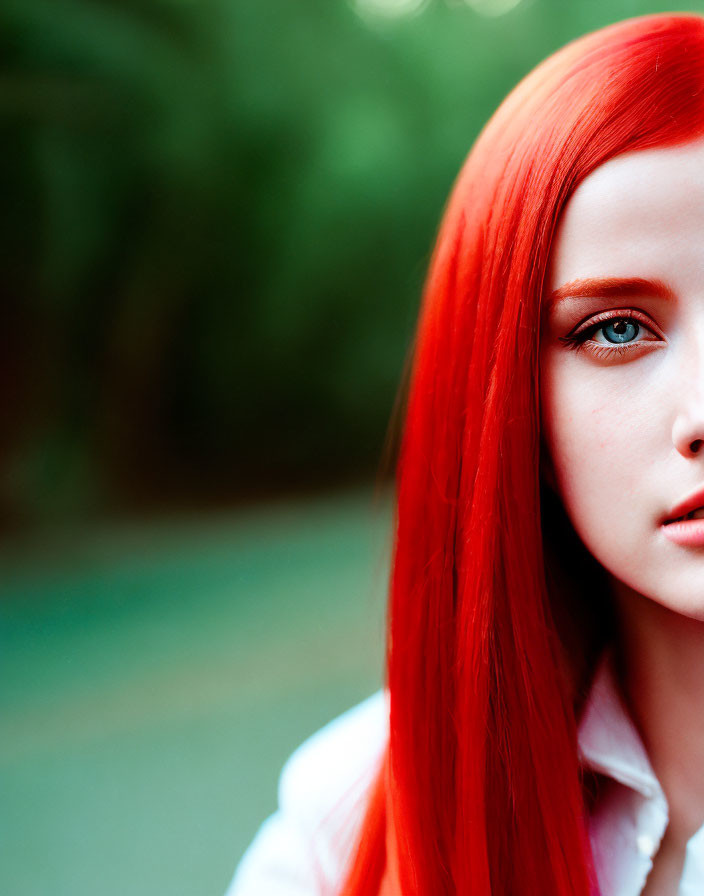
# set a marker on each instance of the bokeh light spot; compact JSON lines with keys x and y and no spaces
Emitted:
{"x":492,"y":7}
{"x":387,"y":9}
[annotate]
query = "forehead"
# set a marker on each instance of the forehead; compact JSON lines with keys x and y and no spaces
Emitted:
{"x":638,"y":215}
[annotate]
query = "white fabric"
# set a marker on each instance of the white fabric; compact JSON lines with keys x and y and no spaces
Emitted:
{"x":630,"y":818}
{"x":303,"y":848}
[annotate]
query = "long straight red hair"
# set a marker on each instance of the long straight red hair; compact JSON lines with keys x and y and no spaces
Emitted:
{"x":488,"y":652}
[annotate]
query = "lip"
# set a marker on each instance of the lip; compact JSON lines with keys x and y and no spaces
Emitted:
{"x":690,"y":502}
{"x":688,"y":533}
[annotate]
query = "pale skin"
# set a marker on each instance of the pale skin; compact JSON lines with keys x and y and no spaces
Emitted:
{"x":622,"y":431}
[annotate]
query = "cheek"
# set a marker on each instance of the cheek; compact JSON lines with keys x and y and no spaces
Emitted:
{"x":602,"y":440}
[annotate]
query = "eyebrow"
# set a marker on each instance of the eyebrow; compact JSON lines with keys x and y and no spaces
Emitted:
{"x":610,"y":287}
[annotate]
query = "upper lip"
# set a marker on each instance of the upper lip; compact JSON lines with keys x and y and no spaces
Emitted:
{"x":691,"y":502}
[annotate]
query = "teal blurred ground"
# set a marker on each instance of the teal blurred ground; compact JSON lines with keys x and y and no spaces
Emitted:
{"x":156,"y":675}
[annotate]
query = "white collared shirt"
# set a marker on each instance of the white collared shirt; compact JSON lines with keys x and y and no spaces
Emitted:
{"x":629,"y":819}
{"x":303,"y":848}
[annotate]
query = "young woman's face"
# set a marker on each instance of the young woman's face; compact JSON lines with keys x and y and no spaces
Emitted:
{"x":622,"y":370}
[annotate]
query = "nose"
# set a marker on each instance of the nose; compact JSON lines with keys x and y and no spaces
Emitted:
{"x":688,"y":428}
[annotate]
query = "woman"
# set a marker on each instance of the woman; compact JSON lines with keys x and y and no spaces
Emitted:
{"x":546,"y":637}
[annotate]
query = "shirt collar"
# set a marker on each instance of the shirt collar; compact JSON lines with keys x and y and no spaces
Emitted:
{"x":609,"y":742}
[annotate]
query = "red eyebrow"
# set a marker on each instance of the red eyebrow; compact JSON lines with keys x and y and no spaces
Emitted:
{"x":610,"y":287}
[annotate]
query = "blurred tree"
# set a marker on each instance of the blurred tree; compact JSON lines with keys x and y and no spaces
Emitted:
{"x":217,"y":217}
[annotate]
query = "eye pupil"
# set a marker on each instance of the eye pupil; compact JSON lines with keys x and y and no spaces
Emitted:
{"x":621,"y":330}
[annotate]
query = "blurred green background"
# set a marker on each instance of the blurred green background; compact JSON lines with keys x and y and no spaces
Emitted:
{"x":216,"y":221}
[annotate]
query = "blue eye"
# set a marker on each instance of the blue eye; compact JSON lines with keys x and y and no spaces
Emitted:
{"x":619,"y":330}
{"x":613,"y":334}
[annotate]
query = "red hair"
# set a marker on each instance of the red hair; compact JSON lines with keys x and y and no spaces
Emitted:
{"x":480,"y":792}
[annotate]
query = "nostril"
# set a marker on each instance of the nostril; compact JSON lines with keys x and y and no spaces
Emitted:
{"x":695,"y":445}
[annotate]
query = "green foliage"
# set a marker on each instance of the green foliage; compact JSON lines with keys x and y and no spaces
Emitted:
{"x":218,"y":215}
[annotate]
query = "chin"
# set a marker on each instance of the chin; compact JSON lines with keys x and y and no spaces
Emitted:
{"x":681,"y":595}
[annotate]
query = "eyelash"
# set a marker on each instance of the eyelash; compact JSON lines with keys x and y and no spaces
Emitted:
{"x":576,"y":341}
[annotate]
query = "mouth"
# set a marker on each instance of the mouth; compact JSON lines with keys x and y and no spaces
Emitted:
{"x":696,"y":514}
{"x":681,"y":520}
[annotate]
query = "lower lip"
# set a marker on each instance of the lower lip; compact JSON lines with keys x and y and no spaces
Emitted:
{"x":688,"y":533}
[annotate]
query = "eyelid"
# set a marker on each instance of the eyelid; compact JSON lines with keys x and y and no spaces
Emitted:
{"x":593,"y":321}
